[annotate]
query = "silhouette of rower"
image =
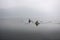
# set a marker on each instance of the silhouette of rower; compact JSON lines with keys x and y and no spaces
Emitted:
{"x":37,"y":23}
{"x":29,"y":21}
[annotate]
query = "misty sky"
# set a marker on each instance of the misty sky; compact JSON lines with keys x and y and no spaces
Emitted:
{"x":44,"y":5}
{"x":49,"y":8}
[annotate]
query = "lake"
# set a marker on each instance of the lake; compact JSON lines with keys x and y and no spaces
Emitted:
{"x":18,"y":29}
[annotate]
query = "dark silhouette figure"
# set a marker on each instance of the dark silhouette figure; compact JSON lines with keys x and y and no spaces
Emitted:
{"x":29,"y":21}
{"x":37,"y":23}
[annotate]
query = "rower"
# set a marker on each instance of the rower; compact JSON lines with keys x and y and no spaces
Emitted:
{"x":37,"y":23}
{"x":29,"y":21}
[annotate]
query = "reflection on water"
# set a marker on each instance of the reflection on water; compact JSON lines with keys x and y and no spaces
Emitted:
{"x":17,"y":29}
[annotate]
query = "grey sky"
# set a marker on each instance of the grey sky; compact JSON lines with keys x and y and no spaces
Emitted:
{"x":45,"y":5}
{"x":50,"y":8}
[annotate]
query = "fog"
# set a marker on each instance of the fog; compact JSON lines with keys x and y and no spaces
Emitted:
{"x":14,"y":15}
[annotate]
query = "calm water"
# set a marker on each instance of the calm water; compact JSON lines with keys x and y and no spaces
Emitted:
{"x":18,"y":29}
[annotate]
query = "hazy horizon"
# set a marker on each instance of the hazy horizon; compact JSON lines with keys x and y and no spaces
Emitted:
{"x":14,"y":15}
